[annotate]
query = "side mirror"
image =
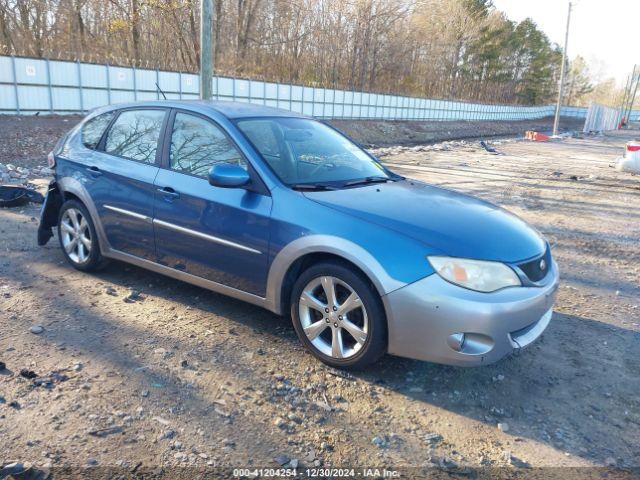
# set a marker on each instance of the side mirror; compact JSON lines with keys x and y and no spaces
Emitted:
{"x":226,"y":175}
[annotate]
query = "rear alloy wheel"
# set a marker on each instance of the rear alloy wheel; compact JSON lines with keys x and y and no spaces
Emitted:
{"x":78,"y":237}
{"x":338,"y":316}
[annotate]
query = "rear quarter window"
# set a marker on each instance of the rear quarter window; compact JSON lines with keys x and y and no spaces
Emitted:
{"x":92,"y":130}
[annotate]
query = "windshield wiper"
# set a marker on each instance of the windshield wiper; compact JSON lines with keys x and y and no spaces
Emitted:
{"x":312,"y":187}
{"x":367,"y":180}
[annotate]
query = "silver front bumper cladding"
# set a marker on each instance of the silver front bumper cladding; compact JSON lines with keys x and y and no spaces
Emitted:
{"x":437,"y":321}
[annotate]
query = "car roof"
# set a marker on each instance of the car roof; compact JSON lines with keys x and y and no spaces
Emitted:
{"x":232,"y":110}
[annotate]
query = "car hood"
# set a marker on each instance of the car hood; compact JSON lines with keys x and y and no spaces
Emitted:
{"x":452,"y":223}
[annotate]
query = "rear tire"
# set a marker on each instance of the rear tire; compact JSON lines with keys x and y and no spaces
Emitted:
{"x":78,"y":237}
{"x":339,"y":316}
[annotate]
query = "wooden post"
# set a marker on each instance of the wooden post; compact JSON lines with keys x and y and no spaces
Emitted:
{"x":206,"y":49}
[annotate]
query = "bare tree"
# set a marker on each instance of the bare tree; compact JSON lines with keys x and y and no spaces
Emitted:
{"x":439,"y":48}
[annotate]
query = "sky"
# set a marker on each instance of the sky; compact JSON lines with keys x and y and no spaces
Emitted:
{"x":605,"y":32}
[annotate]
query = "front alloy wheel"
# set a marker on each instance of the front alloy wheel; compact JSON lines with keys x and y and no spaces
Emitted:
{"x":338,"y":316}
{"x":333,"y":317}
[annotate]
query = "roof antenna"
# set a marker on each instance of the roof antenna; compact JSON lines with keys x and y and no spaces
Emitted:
{"x":160,"y":90}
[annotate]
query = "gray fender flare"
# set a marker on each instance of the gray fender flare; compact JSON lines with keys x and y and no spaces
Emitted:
{"x":325,"y":244}
{"x":72,"y":185}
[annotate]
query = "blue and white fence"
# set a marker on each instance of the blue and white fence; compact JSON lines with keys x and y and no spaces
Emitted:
{"x":29,"y":85}
{"x":601,"y":118}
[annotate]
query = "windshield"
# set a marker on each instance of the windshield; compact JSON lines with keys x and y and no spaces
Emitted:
{"x":302,"y":151}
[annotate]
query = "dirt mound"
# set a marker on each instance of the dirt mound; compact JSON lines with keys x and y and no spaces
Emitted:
{"x":380,"y":133}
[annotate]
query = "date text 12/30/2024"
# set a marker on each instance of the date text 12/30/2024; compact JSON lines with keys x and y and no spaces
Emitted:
{"x":316,"y":473}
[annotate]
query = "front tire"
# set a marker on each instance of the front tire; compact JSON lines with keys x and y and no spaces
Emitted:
{"x":78,"y":237}
{"x":339,"y":316}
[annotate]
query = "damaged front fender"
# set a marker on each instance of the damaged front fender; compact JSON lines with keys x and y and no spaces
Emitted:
{"x":49,"y":213}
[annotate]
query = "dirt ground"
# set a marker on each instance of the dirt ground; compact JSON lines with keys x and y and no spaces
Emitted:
{"x":182,"y":377}
{"x":26,"y":140}
{"x":378,"y":133}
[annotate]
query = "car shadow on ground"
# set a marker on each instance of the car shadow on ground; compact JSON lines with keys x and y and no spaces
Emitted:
{"x":124,"y":350}
{"x":574,"y":390}
{"x":566,"y":390}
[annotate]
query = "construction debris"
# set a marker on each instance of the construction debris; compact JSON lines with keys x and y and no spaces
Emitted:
{"x":536,"y":136}
{"x":631,"y":160}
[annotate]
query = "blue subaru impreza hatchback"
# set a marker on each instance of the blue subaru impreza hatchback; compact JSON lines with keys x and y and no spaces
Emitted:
{"x":284,"y":212}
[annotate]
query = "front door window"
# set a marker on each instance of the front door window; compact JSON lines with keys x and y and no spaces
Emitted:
{"x":197,"y":145}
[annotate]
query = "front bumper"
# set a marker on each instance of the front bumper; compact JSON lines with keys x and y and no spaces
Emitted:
{"x":423,"y":316}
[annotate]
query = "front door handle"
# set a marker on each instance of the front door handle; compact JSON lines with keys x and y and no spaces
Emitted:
{"x":94,"y":171}
{"x":169,"y":193}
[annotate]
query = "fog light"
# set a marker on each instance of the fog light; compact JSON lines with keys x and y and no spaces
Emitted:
{"x":456,"y":341}
{"x":470,"y":343}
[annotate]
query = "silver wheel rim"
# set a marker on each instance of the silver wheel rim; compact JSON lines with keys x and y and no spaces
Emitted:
{"x":333,"y":317}
{"x":76,"y":235}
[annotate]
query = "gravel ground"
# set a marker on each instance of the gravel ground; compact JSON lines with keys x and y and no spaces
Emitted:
{"x":136,"y":371}
{"x":25,"y":141}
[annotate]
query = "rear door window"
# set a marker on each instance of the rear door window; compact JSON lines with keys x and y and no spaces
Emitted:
{"x":134,"y":135}
{"x":92,"y":130}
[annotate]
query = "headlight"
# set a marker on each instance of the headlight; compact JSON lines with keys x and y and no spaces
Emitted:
{"x":475,"y":274}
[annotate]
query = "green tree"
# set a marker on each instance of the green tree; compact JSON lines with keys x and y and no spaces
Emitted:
{"x":536,"y":64}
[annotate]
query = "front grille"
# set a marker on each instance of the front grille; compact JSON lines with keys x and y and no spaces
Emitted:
{"x":532,"y":269}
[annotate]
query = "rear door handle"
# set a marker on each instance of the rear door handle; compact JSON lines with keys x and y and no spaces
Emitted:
{"x":94,"y":171}
{"x":169,"y":193}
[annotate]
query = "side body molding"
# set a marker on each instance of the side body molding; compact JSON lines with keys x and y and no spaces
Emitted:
{"x":325,"y":244}
{"x":72,"y":185}
{"x":279,"y":267}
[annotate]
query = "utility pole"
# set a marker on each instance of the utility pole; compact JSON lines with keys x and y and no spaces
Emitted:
{"x":627,"y":93}
{"x":623,"y":105}
{"x":556,"y":120}
{"x":206,"y":48}
{"x":632,"y":96}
